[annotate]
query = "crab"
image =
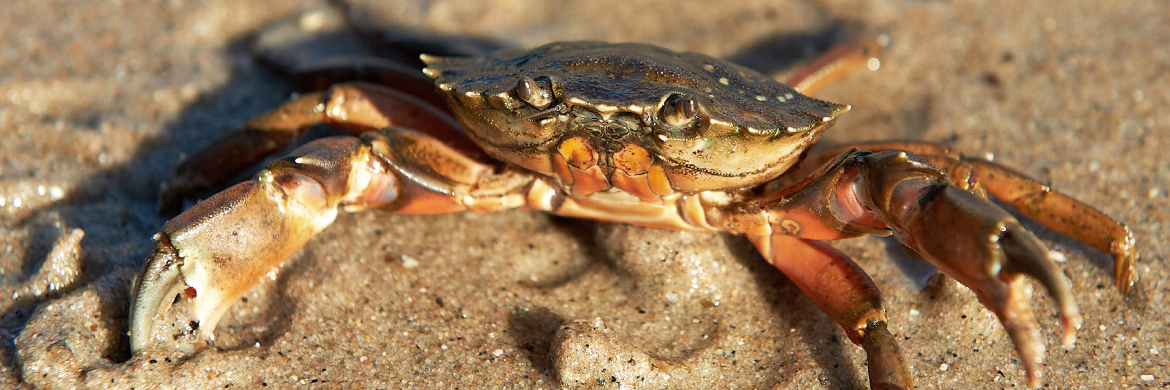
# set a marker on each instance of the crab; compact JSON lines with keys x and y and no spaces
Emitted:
{"x":629,"y":133}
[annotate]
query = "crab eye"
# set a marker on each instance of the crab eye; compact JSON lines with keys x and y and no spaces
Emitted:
{"x":679,"y":110}
{"x":533,"y":93}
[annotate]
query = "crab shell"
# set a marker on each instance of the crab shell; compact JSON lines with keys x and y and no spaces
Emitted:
{"x":607,"y":117}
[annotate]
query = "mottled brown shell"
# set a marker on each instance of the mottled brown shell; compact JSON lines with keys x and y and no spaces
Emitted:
{"x":634,"y":116}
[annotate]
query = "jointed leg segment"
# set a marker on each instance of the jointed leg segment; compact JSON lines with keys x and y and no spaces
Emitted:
{"x":227,"y":243}
{"x":841,"y":289}
{"x":1030,"y":197}
{"x":355,"y":107}
{"x":961,"y":232}
{"x":1060,"y":213}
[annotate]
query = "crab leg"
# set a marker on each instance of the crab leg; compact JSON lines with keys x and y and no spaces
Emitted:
{"x":965,"y":235}
{"x":843,"y":291}
{"x":321,"y":75}
{"x":1031,"y":198}
{"x":860,"y":46}
{"x":215,"y":251}
{"x":356,"y":107}
{"x":1055,"y":211}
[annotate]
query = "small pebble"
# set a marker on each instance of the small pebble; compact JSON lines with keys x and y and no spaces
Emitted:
{"x":409,"y":262}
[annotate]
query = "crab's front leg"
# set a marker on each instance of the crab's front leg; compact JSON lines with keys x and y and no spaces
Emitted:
{"x":841,"y":289}
{"x":964,"y":234}
{"x":213,"y":252}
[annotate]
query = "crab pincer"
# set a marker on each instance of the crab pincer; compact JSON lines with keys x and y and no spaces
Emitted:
{"x":226,"y":244}
{"x":215,"y":251}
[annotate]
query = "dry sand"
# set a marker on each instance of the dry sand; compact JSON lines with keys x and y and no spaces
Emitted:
{"x":101,"y":98}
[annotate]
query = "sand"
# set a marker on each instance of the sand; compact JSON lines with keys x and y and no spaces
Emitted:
{"x":100,"y":99}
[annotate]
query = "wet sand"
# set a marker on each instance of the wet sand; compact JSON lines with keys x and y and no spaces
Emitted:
{"x":100,"y":99}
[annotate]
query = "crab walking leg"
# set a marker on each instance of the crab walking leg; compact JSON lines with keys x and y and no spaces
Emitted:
{"x":965,"y":235}
{"x":356,"y":107}
{"x":321,"y":75}
{"x":1037,"y":201}
{"x":842,"y":290}
{"x":215,"y":251}
{"x":860,"y":47}
{"x":1056,"y":211}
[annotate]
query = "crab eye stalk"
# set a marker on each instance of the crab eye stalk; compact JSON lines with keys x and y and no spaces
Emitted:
{"x":679,"y":110}
{"x":533,"y":93}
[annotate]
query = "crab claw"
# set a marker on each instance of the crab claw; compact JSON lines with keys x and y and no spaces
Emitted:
{"x":217,"y":250}
{"x":158,"y":280}
{"x":214,"y":252}
{"x":983,"y":247}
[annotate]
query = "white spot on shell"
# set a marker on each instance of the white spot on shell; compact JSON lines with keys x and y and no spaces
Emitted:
{"x":605,"y":108}
{"x":723,"y":80}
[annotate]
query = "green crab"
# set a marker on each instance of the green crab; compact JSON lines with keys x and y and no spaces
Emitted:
{"x":628,"y":133}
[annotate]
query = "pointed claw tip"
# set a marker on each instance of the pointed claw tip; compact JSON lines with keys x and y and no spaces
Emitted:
{"x":1069,"y":326}
{"x":1126,"y":274}
{"x":1125,"y":259}
{"x":154,"y":287}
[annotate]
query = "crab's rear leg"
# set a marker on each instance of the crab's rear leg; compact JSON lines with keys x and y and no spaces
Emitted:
{"x":842,"y":290}
{"x":215,"y":251}
{"x":356,"y":107}
{"x":859,"y":46}
{"x":965,"y":235}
